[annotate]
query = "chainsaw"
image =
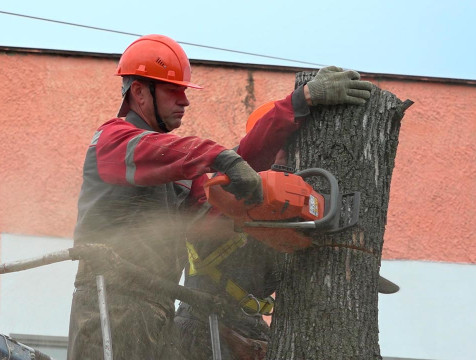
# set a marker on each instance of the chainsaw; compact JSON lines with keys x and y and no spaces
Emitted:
{"x":291,"y":211}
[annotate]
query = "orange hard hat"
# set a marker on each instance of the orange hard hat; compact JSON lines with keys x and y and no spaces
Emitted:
{"x":258,"y":114}
{"x":156,"y":57}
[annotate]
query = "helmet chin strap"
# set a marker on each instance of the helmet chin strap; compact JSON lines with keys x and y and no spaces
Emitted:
{"x":159,"y":120}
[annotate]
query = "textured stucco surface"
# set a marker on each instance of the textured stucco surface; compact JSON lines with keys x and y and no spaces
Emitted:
{"x":51,"y":106}
{"x":432,"y":208}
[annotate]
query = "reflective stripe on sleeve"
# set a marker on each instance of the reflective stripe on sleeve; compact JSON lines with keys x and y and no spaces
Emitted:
{"x":96,"y":136}
{"x":130,"y":164}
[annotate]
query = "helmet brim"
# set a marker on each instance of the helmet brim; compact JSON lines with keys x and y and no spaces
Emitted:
{"x":183,"y":83}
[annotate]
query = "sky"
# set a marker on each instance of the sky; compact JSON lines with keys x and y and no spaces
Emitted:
{"x":434,"y":38}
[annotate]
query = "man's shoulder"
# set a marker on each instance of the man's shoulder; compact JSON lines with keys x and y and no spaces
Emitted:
{"x":116,"y":121}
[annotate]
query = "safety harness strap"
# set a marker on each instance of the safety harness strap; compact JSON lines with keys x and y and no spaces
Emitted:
{"x":160,"y":122}
{"x":208,"y":265}
{"x":250,"y":304}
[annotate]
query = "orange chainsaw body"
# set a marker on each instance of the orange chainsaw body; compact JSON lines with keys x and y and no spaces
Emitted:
{"x":287,"y":197}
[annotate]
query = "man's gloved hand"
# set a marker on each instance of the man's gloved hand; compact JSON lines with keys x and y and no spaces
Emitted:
{"x":332,"y":85}
{"x":245,"y":183}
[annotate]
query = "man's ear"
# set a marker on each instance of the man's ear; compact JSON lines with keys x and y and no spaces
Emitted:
{"x":137,"y":92}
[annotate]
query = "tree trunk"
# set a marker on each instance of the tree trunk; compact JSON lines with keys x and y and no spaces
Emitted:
{"x":327,"y":301}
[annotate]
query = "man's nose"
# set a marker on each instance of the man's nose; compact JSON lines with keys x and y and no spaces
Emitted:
{"x":183,"y":100}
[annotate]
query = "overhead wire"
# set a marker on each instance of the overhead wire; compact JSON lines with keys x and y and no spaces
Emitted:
{"x":180,"y":42}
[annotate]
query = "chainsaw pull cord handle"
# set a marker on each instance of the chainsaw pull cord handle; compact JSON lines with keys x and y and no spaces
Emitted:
{"x":327,"y":220}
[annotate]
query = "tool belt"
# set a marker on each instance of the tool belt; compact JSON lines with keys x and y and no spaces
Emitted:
{"x":250,"y":304}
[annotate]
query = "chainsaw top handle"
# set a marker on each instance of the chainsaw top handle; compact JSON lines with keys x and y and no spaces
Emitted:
{"x":332,"y":211}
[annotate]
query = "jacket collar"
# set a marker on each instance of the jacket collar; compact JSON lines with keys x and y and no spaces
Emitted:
{"x":133,"y":118}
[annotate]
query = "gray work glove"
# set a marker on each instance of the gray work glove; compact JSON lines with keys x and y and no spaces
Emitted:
{"x":332,"y":86}
{"x":245,"y":183}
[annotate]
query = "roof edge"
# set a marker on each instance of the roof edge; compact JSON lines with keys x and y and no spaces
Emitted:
{"x":282,"y":68}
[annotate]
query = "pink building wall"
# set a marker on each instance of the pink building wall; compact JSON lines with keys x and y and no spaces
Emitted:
{"x":51,"y":105}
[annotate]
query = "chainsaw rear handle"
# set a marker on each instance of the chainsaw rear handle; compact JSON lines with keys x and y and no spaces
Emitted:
{"x":217,"y":180}
{"x":322,"y":224}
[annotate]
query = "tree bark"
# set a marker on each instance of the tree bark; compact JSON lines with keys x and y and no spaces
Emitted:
{"x":327,"y":300}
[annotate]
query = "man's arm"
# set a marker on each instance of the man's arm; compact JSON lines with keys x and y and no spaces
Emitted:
{"x":260,"y":146}
{"x":127,"y":155}
{"x":331,"y":86}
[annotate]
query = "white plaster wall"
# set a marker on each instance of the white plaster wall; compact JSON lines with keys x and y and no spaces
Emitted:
{"x":35,"y":301}
{"x":433,"y":316}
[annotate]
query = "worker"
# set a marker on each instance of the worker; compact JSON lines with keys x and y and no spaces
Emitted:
{"x":237,"y":266}
{"x":130,"y":199}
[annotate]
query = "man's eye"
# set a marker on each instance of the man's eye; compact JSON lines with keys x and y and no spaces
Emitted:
{"x":177,"y":89}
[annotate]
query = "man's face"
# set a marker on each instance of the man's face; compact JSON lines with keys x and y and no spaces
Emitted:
{"x":171,"y":103}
